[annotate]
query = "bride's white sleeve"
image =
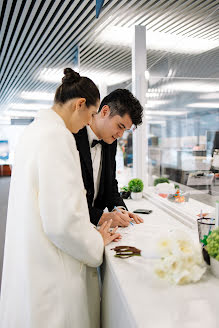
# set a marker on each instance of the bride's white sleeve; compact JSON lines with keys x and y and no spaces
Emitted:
{"x":62,"y":199}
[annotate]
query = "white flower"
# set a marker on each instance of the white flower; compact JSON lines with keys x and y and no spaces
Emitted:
{"x":161,"y":273}
{"x":181,"y":259}
{"x":180,"y":278}
{"x":185,"y":246}
{"x":165,"y":246}
{"x":198,"y":254}
{"x":196,"y":272}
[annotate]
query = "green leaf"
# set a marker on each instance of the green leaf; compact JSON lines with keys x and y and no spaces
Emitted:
{"x":160,"y":180}
{"x":136,"y":185}
{"x":205,"y":237}
{"x":213,"y":243}
{"x":125,"y":188}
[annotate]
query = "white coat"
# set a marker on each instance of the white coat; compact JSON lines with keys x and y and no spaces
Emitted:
{"x":51,"y":248}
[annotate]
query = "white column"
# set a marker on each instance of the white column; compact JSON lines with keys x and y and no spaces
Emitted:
{"x":139,"y":88}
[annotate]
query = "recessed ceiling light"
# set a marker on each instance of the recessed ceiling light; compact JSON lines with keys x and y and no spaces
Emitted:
{"x":28,"y":107}
{"x":122,"y":36}
{"x":210,"y":96}
{"x":154,"y":103}
{"x":5,"y":120}
{"x":52,"y":75}
{"x":204,"y":105}
{"x":170,"y":72}
{"x":191,"y":86}
{"x":152,"y":95}
{"x":37,"y":95}
{"x":19,"y":113}
{"x":106,"y":77}
{"x":147,"y":75}
{"x":165,"y":113}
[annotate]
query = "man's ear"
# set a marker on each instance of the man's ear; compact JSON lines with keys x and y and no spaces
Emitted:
{"x":105,"y":111}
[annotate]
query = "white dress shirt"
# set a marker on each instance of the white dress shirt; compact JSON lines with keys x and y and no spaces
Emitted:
{"x":96,"y":157}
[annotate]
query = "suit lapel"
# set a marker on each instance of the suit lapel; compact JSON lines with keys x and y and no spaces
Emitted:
{"x":84,"y":149}
{"x":102,"y":176}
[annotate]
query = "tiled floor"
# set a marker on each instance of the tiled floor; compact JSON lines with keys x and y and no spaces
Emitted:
{"x":4,"y":189}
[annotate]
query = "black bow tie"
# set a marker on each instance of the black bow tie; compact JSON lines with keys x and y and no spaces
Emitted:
{"x":95,"y":142}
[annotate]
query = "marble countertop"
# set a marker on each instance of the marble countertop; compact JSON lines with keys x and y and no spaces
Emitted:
{"x":150,"y":301}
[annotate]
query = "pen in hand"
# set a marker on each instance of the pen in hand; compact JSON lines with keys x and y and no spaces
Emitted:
{"x":118,"y":210}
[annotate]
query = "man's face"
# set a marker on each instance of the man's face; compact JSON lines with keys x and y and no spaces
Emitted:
{"x":112,"y":127}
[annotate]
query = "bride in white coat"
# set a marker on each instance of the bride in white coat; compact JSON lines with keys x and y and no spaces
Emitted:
{"x":51,"y":248}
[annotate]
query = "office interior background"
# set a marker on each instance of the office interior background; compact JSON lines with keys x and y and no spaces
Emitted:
{"x":181,"y":131}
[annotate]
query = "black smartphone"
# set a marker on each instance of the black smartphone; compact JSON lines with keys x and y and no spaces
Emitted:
{"x":142,"y":211}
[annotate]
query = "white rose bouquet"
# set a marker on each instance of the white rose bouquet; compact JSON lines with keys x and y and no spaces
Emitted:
{"x":181,"y":259}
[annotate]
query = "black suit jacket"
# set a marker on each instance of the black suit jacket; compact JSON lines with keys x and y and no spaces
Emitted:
{"x":108,"y":195}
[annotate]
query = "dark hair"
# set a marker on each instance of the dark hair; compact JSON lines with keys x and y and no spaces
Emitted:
{"x":76,"y":86}
{"x":121,"y":102}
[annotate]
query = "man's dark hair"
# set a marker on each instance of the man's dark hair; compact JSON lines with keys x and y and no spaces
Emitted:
{"x":121,"y":102}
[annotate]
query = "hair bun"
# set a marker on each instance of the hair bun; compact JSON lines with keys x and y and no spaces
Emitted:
{"x":70,"y":76}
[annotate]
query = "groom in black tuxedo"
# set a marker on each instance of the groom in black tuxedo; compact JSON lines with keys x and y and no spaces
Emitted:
{"x":97,"y":148}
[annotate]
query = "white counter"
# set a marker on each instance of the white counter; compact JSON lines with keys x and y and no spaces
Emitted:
{"x":133,"y":296}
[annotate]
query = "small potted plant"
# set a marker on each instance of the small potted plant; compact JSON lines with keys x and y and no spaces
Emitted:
{"x":213,"y":250}
{"x":160,"y":180}
{"x":136,"y":187}
{"x":124,"y":192}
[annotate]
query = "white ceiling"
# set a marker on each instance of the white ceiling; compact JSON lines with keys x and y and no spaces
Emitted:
{"x":40,"y":38}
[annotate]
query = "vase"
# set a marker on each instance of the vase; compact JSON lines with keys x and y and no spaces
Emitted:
{"x":215,"y":267}
{"x":205,"y":255}
{"x":125,"y":194}
{"x":136,"y":195}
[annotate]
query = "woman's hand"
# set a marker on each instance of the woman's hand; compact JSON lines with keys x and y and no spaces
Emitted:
{"x":108,"y":236}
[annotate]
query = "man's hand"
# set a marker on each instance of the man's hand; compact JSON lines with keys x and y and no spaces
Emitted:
{"x":121,"y":219}
{"x":118,"y":218}
{"x":134,"y":217}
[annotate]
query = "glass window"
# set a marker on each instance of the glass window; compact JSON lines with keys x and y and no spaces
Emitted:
{"x":182,"y":113}
{"x":124,"y":159}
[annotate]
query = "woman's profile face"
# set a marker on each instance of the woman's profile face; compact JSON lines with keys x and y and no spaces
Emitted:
{"x":84,"y":115}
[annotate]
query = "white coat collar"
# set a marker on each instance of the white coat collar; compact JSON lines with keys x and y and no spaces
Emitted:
{"x":51,"y":115}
